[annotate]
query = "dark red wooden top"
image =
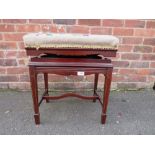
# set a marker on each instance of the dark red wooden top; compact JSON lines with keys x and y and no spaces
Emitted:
{"x":70,"y":62}
{"x":71,"y":52}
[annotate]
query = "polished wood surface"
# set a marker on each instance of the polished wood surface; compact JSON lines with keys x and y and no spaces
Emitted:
{"x":73,"y":52}
{"x":69,"y":62}
{"x":68,"y":66}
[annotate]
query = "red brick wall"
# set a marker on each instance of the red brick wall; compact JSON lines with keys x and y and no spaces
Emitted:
{"x":134,"y":65}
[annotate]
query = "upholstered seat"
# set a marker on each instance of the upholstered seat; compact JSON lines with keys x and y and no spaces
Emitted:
{"x":70,"y":41}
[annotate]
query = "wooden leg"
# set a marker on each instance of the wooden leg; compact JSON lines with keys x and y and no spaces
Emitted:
{"x":34,"y":87}
{"x":154,"y":86}
{"x":46,"y":85}
{"x":107,"y":84}
{"x":95,"y":85}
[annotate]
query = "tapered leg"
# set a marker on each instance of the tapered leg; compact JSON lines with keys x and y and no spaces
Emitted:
{"x":46,"y":85}
{"x":34,"y":87}
{"x":107,"y":84}
{"x":95,"y":85}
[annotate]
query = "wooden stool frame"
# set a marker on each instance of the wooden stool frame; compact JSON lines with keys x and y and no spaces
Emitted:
{"x":67,"y":66}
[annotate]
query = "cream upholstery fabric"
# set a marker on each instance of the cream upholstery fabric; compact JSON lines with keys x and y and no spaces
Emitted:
{"x":68,"y":40}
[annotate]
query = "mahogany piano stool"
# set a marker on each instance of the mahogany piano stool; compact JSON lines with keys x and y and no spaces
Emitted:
{"x":69,"y":60}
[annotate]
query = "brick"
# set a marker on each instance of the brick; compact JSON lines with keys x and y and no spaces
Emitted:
{"x":13,"y":36}
{"x":11,"y":54}
{"x":115,"y":71}
{"x":73,"y":78}
{"x":143,"y":49}
{"x":135,"y":23}
{"x":90,"y":78}
{"x":117,"y":56}
{"x":40,"y":78}
{"x":17,"y":70}
{"x":40,"y":21}
{"x":24,"y":78}
{"x":1,"y":38}
{"x":78,"y":29}
{"x":58,"y":78}
{"x":130,"y":56}
{"x":135,"y":78}
{"x":2,"y":70}
{"x":14,"y":21}
{"x":1,"y":62}
{"x":125,"y":48}
{"x":23,"y":61}
{"x":104,"y":31}
{"x":53,"y":28}
{"x":150,"y":24}
{"x":127,"y":71}
{"x":8,"y":78}
{"x":64,"y":21}
{"x":1,"y":54}
{"x":148,"y":84}
{"x":21,"y":45}
{"x":143,"y":71}
{"x":28,"y":28}
{"x":123,"y":32}
{"x":10,"y":62}
{"x":132,"y":40}
{"x":4,"y":86}
{"x":139,"y":64}
{"x":126,"y":85}
{"x":6,"y":28}
{"x":121,"y":63}
{"x":118,"y":78}
{"x":149,"y":41}
{"x":19,"y":85}
{"x":148,"y":57}
{"x":112,"y":23}
{"x":8,"y":45}
{"x":146,"y":72}
{"x":49,"y":28}
{"x":152,"y":64}
{"x":68,"y":86}
{"x":151,"y":79}
{"x":144,"y":32}
{"x":21,"y":54}
{"x":90,"y":22}
{"x":153,"y":49}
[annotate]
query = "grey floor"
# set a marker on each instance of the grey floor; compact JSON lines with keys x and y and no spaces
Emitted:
{"x":131,"y":112}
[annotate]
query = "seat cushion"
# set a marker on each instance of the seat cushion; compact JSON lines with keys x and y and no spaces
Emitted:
{"x":70,"y":41}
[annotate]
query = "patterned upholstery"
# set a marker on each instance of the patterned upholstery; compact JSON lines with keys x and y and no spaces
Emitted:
{"x":68,"y":40}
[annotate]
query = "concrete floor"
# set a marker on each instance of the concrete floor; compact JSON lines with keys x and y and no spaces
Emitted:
{"x":131,"y":112}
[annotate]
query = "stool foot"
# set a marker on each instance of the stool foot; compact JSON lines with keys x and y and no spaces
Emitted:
{"x":37,"y":118}
{"x":103,"y":118}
